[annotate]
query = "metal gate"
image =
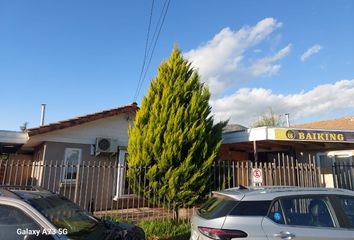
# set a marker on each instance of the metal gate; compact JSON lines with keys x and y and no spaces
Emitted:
{"x":343,"y":175}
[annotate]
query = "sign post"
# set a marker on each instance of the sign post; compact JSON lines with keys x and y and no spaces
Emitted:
{"x":257,"y":177}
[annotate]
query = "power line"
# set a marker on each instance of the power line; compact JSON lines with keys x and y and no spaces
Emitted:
{"x":153,"y":45}
{"x":146,"y":47}
{"x":161,"y":17}
{"x":158,"y":34}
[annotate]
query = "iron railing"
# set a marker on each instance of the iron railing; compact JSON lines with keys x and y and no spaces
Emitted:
{"x":102,"y":188}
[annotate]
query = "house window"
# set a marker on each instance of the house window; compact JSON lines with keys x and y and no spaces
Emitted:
{"x":71,"y":159}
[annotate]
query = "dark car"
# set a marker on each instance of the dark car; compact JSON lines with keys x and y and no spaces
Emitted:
{"x":33,"y":213}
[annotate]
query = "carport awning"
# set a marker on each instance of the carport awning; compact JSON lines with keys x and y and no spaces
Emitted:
{"x":282,"y":139}
{"x":274,"y":146}
{"x":11,"y":141}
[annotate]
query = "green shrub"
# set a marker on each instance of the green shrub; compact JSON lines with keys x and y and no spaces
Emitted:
{"x":165,"y":229}
{"x":119,"y":219}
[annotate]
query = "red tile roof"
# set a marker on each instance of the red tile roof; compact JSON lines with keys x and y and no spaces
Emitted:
{"x":346,"y":123}
{"x":82,"y":119}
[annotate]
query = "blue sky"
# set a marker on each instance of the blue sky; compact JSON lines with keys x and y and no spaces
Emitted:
{"x":84,"y":56}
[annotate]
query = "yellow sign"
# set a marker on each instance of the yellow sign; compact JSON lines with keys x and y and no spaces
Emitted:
{"x":313,"y":135}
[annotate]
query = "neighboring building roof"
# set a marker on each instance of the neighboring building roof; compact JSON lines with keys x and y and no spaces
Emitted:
{"x":82,"y":119}
{"x":233,"y":128}
{"x":13,"y":137}
{"x":10,"y":141}
{"x":346,"y":123}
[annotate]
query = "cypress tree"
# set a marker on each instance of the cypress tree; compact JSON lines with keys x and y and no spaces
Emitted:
{"x":174,"y":137}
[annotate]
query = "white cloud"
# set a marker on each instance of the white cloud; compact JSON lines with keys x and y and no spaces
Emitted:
{"x":220,"y":61}
{"x":267,"y":65}
{"x":233,"y":56}
{"x":312,"y":50}
{"x":246,"y":105}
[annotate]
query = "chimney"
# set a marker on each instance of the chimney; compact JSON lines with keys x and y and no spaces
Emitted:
{"x":287,"y":119}
{"x":42,"y":114}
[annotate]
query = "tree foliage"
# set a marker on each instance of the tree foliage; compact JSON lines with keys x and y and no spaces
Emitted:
{"x":268,"y":119}
{"x":23,"y":127}
{"x":174,"y":136}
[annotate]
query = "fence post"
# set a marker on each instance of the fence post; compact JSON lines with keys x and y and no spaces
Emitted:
{"x":334,"y":171}
{"x":233,"y":175}
{"x":77,"y":181}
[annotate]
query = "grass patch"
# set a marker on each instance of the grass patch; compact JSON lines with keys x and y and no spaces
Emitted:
{"x":165,"y":229}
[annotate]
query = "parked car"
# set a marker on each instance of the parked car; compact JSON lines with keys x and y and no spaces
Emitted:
{"x":276,"y":213}
{"x":32,"y":213}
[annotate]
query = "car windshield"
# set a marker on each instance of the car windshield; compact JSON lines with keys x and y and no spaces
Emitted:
{"x":64,"y":214}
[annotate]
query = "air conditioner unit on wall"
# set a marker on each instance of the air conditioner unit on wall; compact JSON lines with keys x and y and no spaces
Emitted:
{"x":106,"y":145}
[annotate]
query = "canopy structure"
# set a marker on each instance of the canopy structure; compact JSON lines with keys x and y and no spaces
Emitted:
{"x":11,"y":141}
{"x":296,"y":142}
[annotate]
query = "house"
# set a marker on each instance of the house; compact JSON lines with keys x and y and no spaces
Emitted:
{"x":73,"y":156}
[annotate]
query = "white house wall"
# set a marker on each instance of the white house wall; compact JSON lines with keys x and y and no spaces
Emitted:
{"x":111,"y":127}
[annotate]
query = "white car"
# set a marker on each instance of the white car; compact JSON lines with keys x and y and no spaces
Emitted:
{"x":276,"y":213}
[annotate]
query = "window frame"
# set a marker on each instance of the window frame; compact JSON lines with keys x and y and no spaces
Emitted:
{"x":120,"y":185}
{"x":69,"y":166}
{"x":282,"y":211}
{"x":331,"y":208}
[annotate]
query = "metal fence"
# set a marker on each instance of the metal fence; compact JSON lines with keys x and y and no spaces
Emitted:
{"x":102,"y":188}
{"x":283,"y":171}
{"x":343,"y":175}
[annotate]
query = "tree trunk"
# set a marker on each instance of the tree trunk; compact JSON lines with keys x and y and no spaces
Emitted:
{"x":176,"y":214}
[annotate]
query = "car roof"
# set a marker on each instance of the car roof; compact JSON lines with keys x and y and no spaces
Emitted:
{"x":23,"y":192}
{"x":271,"y":192}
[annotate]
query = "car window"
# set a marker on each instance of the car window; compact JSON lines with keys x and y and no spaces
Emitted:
{"x":276,"y":213}
{"x":307,"y":211}
{"x":216,"y":207}
{"x":251,"y":208}
{"x":14,"y":223}
{"x":347,"y":205}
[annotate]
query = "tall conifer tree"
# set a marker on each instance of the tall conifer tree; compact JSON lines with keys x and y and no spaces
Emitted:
{"x":174,"y":136}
